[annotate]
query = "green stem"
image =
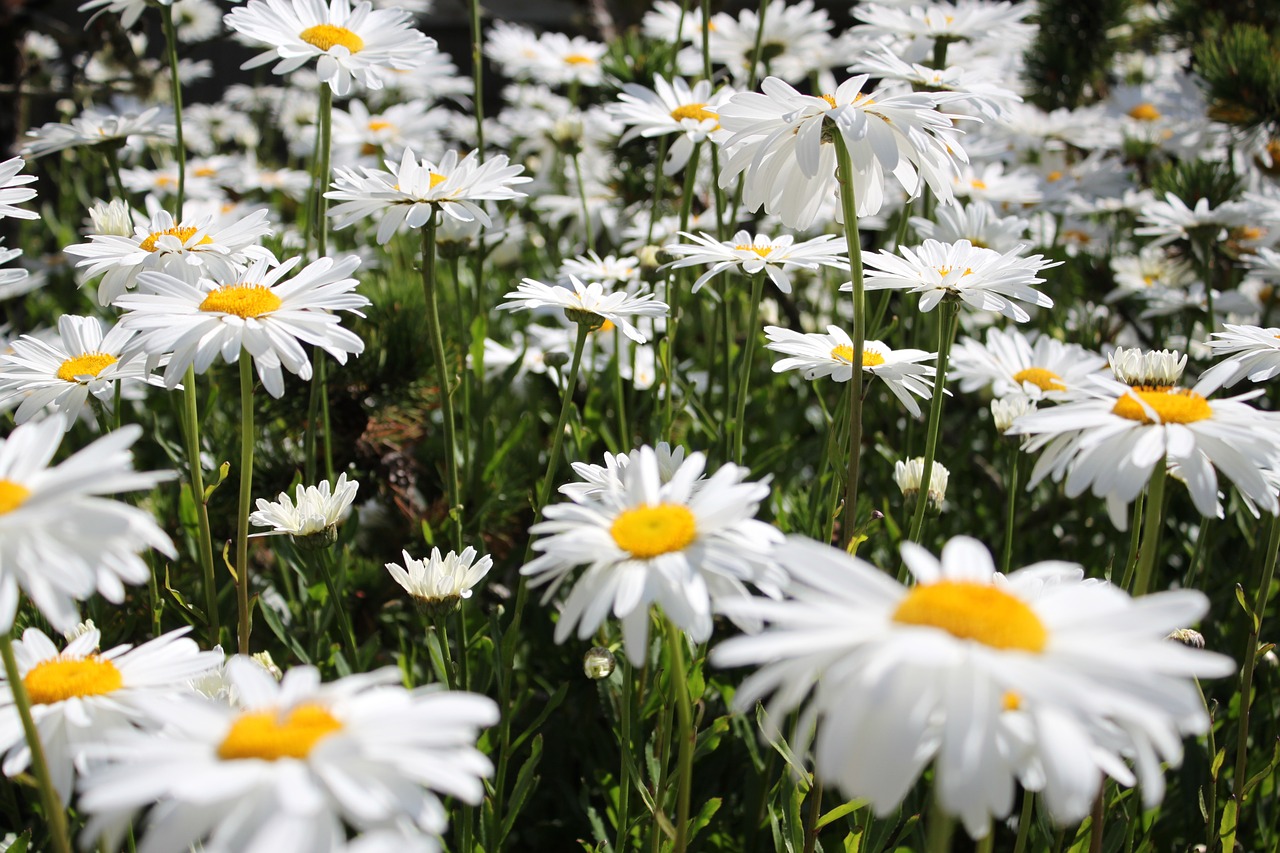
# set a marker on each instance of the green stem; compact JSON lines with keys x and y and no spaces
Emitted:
{"x":674,"y":293}
{"x":1151,"y":528}
{"x":54,"y":813}
{"x":939,"y":829}
{"x":1266,"y":572}
{"x":566,"y":404}
{"x":1135,"y":531}
{"x":111,"y":153}
{"x":812,"y":815}
{"x":191,"y":420}
{"x":849,"y":207}
{"x":758,"y":48}
{"x":318,"y":400}
{"x":1024,"y":821}
{"x":175,"y":88}
{"x":987,"y":843}
{"x":744,"y":366}
{"x":1197,"y":556}
{"x":443,"y":374}
{"x":477,"y":78}
{"x":947,"y":322}
{"x":246,"y":495}
{"x":582,"y":199}
{"x":1097,"y":821}
{"x":1011,"y":518}
{"x":324,"y":558}
{"x":624,"y":435}
{"x":687,"y":736}
{"x":622,"y":839}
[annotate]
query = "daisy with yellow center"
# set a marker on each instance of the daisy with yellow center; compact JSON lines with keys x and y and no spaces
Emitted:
{"x":81,"y":696}
{"x":302,"y":765}
{"x":260,"y":312}
{"x":751,"y":254}
{"x":348,"y":42}
{"x":895,"y":678}
{"x":689,"y":112}
{"x":649,"y":536}
{"x":816,"y":355}
{"x":1030,"y":364}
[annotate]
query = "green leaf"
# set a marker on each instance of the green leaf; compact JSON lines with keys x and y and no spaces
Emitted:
{"x":223,"y":470}
{"x":548,"y":706}
{"x":703,"y":817}
{"x":1227,"y":828}
{"x":840,"y":811}
{"x":525,"y":782}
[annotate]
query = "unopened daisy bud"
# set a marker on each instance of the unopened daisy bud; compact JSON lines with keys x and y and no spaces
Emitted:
{"x":908,"y":474}
{"x":1150,"y":368}
{"x":555,"y":360}
{"x":598,"y":663}
{"x":264,"y":660}
{"x":311,"y":518}
{"x":1006,"y":410}
{"x":566,"y":133}
{"x":112,"y":217}
{"x":1187,"y":637}
{"x":439,"y":584}
{"x":649,"y":258}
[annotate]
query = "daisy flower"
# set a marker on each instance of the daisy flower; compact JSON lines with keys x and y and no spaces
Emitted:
{"x":647,"y":542}
{"x":80,"y":696}
{"x":14,"y":189}
{"x":611,"y":269}
{"x":791,"y":38}
{"x":60,"y":373}
{"x":1254,"y":351}
{"x":597,"y":479}
{"x":752,"y":255}
{"x":776,"y":144}
{"x":128,"y":10}
{"x":816,"y":355}
{"x":255,"y":311}
{"x":896,"y":678}
{"x":440,"y":584}
{"x":292,"y":763}
{"x":312,"y":515}
{"x":975,"y":221}
{"x":187,"y":249}
{"x":15,"y":281}
{"x":909,"y":474}
{"x":950,"y":85}
{"x":964,"y":20}
{"x":984,"y":279}
{"x":1110,"y":441}
{"x":96,"y":126}
{"x":1011,"y":362}
{"x":346,"y":42}
{"x":588,"y":304}
{"x":563,"y":61}
{"x":60,"y":539}
{"x":670,"y":107}
{"x":411,"y":191}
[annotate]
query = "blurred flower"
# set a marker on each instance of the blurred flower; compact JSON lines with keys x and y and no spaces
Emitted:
{"x":587,"y":304}
{"x":13,"y":189}
{"x":909,"y":473}
{"x":96,"y":126}
{"x":670,"y":107}
{"x":752,"y":255}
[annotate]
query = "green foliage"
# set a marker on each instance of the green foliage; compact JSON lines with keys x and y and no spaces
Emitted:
{"x":1241,"y":70}
{"x":1069,"y":61}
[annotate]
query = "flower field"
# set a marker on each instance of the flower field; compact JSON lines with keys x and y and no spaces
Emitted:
{"x":711,"y":427}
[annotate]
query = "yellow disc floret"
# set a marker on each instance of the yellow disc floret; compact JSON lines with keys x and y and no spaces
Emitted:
{"x":12,"y":495}
{"x":579,"y":59}
{"x":1170,"y":406}
{"x":89,"y":364}
{"x":844,"y":352}
{"x":1144,"y":112}
{"x":437,"y":179}
{"x":1045,"y":380}
{"x":270,"y":736}
{"x":697,"y":112}
{"x":762,"y":251}
{"x":183,"y":234}
{"x":60,"y":679}
{"x":974,"y":611}
{"x":652,"y":530}
{"x":242,"y":300}
{"x":328,"y":36}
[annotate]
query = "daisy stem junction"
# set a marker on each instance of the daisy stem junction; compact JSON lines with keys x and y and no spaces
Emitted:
{"x":175,"y":89}
{"x":1151,"y":525}
{"x":191,"y":424}
{"x":948,"y":319}
{"x":247,"y":440}
{"x":853,"y":244}
{"x":443,"y":375}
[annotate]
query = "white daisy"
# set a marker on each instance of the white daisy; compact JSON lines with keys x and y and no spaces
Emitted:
{"x":187,"y":249}
{"x":1011,"y":362}
{"x":411,"y":191}
{"x":59,"y":373}
{"x":752,"y":255}
{"x":346,"y":42}
{"x":588,"y":304}
{"x":96,"y":126}
{"x":792,"y":40}
{"x":984,"y":279}
{"x":14,"y":189}
{"x":80,"y":696}
{"x":978,"y":222}
{"x":964,"y":20}
{"x":15,"y":281}
{"x":647,"y":542}
{"x":597,"y":479}
{"x":895,"y":678}
{"x":816,"y":355}
{"x":292,"y":763}
{"x":255,"y":311}
{"x":1254,"y":354}
{"x":312,"y":514}
{"x":611,"y":270}
{"x":60,"y":539}
{"x":909,"y":474}
{"x":670,"y":107}
{"x":441,"y":583}
{"x":983,"y":95}
{"x":562,"y":60}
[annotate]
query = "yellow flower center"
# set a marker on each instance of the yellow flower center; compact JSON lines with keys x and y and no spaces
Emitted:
{"x":1144,"y":112}
{"x":1053,"y":177}
{"x":974,"y":611}
{"x":1045,"y":380}
{"x":243,"y":300}
{"x":327,"y":37}
{"x":437,"y":179}
{"x":89,"y":364}
{"x":844,"y":352}
{"x":978,"y":184}
{"x":205,"y":172}
{"x":1171,"y":405}
{"x":946,"y":271}
{"x":58,"y":680}
{"x":182,"y":233}
{"x":697,"y":112}
{"x":762,"y":251}
{"x":1011,"y":701}
{"x":12,"y":496}
{"x":270,"y":737}
{"x":578,"y":59}
{"x":650,"y":531}
{"x":377,"y":125}
{"x":830,"y":99}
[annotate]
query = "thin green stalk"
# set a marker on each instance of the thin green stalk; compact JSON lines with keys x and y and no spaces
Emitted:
{"x":1097,"y":821}
{"x":1011,"y":516}
{"x":947,"y":322}
{"x":175,"y":89}
{"x":1266,"y":572}
{"x":1197,"y":556}
{"x":247,"y":440}
{"x":318,"y":401}
{"x":443,"y":375}
{"x":706,"y":38}
{"x":324,"y":558}
{"x":191,"y":424}
{"x":54,"y":813}
{"x":622,"y":838}
{"x":112,"y":155}
{"x":557,"y":438}
{"x":582,"y":199}
{"x":624,"y":434}
{"x":1135,"y":531}
{"x":756,"y":49}
{"x":940,"y":827}
{"x":1151,"y":528}
{"x":687,"y":735}
{"x":744,"y":366}
{"x":659,"y":189}
{"x":1024,"y":821}
{"x":477,"y":79}
{"x":849,"y":207}
{"x":987,"y":843}
{"x":674,"y":293}
{"x":812,"y":815}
